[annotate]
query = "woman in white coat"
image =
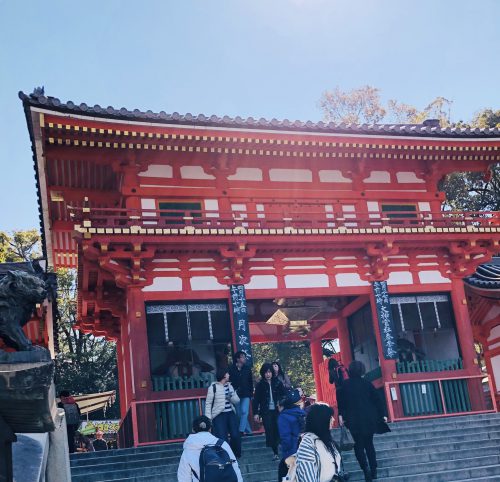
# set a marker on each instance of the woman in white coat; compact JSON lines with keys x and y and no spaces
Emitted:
{"x":220,"y":408}
{"x":190,"y":459}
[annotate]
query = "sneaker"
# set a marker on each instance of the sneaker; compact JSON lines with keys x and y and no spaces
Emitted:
{"x":275,"y":457}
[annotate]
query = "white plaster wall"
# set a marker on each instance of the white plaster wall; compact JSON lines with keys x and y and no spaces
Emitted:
{"x":429,"y":277}
{"x":262,"y":282}
{"x":493,"y":313}
{"x":306,"y":281}
{"x":408,"y":177}
{"x":378,"y":176}
{"x":400,"y":278}
{"x":194,"y":172}
{"x":157,"y":170}
{"x":350,"y":279}
{"x":495,"y":364}
{"x":246,"y":174}
{"x":202,"y":283}
{"x":290,"y":175}
{"x":165,"y":284}
{"x":148,"y":203}
{"x":332,"y":176}
{"x":494,"y":333}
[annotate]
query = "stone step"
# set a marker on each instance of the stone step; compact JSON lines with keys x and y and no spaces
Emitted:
{"x":386,"y":458}
{"x":453,"y":449}
{"x":387,"y":440}
{"x":462,"y":423}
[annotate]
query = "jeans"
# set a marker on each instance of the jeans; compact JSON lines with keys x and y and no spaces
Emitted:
{"x":227,"y":423}
{"x":242,"y":410}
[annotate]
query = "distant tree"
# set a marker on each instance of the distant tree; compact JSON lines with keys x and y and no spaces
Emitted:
{"x":475,"y":191}
{"x":85,"y":363}
{"x":364,"y":105}
{"x":295,"y":358}
{"x":357,"y":106}
{"x":20,"y":246}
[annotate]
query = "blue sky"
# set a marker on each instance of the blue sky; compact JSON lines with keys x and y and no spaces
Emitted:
{"x":264,"y":58}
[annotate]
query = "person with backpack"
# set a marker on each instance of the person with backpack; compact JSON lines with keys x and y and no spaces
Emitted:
{"x":268,"y":392}
{"x":220,"y":408}
{"x":291,"y":423}
{"x":72,"y":414}
{"x":337,"y":373}
{"x":318,"y":457}
{"x":241,"y":378}
{"x":206,"y":458}
{"x":362,"y":410}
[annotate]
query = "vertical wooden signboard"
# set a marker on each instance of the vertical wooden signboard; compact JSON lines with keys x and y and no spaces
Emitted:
{"x":240,"y":319}
{"x":385,"y":321}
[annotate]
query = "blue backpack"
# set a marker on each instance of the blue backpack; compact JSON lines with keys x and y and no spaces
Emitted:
{"x":215,"y":464}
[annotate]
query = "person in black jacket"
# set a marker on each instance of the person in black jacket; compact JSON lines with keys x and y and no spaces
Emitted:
{"x":361,"y":410}
{"x":268,"y":392}
{"x":242,"y":381}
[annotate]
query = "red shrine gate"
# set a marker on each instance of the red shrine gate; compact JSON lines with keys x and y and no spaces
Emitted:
{"x":165,"y":215}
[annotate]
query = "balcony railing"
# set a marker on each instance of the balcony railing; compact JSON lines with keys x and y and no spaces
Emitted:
{"x":311,"y":219}
{"x":422,"y":366}
{"x":439,"y":397}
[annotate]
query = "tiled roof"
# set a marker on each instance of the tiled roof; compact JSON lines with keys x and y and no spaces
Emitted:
{"x":429,"y":128}
{"x":487,"y":276}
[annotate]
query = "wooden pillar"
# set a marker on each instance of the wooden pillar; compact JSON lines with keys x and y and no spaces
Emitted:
{"x":122,"y":388}
{"x":344,"y":341}
{"x":317,"y":359}
{"x":464,"y":327}
{"x":139,"y":351}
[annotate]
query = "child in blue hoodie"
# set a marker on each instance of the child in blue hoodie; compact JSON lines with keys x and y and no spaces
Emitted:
{"x":291,"y":423}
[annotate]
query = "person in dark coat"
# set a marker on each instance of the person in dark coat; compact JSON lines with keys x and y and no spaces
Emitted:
{"x":361,"y":410}
{"x":241,"y":378}
{"x":291,"y":423}
{"x":268,"y":391}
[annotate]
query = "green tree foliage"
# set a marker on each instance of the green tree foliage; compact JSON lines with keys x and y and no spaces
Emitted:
{"x":465,"y":191}
{"x":20,"y":246}
{"x":85,"y":363}
{"x":294,"y":357}
{"x":475,"y":191}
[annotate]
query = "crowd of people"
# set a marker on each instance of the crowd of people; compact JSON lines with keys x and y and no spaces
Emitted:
{"x":300,"y":437}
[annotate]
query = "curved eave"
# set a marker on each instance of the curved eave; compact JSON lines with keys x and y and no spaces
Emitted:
{"x":29,"y":122}
{"x":123,"y":114}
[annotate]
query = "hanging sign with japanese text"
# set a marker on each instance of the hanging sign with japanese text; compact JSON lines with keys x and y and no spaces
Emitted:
{"x":240,"y":319}
{"x":385,"y":321}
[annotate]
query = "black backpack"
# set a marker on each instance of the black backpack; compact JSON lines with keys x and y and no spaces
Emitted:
{"x":215,"y":464}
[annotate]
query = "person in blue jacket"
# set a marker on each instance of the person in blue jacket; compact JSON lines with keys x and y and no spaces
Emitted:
{"x":291,"y":424}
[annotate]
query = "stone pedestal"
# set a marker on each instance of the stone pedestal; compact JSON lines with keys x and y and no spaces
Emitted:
{"x":27,"y":394}
{"x":27,"y":406}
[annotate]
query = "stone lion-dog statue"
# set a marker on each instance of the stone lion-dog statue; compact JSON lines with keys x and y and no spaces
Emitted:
{"x":19,"y":293}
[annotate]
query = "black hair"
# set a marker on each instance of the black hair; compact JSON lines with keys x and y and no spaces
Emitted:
{"x":202,"y":424}
{"x":237,"y":355}
{"x":318,"y":422}
{"x":280,"y":370}
{"x":266,"y":367}
{"x":220,"y":373}
{"x":356,"y":369}
{"x":64,"y":393}
{"x":332,"y":364}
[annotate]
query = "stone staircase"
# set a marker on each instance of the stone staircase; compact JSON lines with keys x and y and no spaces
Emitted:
{"x":454,"y":449}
